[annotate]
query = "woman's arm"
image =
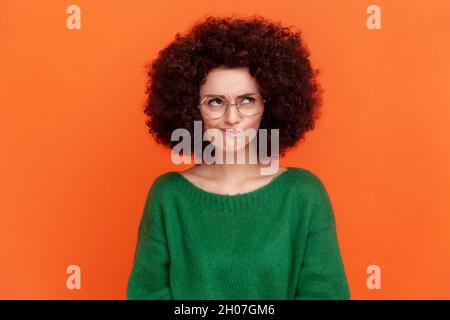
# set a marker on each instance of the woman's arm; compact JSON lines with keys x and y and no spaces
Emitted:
{"x":322,"y":274}
{"x":149,"y":278}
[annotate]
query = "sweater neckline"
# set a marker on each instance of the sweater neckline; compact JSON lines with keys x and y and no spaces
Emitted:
{"x":248,"y":199}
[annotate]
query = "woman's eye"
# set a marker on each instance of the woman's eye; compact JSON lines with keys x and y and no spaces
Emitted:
{"x":215,"y":102}
{"x":248,"y":100}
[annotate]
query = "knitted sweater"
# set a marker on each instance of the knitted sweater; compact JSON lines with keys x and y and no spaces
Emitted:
{"x":276,"y":242}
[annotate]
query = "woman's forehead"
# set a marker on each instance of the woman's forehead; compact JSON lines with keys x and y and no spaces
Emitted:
{"x":229,"y":82}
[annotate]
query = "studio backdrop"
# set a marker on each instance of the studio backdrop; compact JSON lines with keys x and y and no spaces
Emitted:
{"x":76,"y":158}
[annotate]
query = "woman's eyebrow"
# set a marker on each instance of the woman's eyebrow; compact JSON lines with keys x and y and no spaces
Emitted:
{"x":239,"y":96}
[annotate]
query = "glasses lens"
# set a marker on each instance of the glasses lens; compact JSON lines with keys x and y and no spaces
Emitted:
{"x":250,"y":105}
{"x":213,"y":107}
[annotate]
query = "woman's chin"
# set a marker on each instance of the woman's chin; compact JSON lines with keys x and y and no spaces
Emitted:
{"x":230,"y":147}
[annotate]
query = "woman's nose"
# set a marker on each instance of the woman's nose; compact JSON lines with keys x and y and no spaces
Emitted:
{"x":232,"y":114}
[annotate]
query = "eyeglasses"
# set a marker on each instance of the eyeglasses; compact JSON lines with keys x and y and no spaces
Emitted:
{"x":215,"y":107}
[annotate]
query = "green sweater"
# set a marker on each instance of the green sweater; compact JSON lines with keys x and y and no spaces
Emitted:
{"x":276,"y":242}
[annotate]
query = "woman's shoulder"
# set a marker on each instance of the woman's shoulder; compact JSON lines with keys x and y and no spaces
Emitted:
{"x":311,"y":188}
{"x":308,"y":181}
{"x":165,"y":178}
{"x":163,"y":183}
{"x":306,"y":175}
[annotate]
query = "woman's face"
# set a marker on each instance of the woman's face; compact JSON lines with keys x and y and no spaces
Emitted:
{"x":231,"y":83}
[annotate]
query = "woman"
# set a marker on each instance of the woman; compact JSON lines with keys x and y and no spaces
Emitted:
{"x":226,"y":230}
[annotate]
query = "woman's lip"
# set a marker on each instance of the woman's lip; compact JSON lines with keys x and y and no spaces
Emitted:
{"x":232,"y":131}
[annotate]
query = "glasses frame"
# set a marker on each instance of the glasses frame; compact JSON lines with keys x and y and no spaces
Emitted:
{"x":228,"y":104}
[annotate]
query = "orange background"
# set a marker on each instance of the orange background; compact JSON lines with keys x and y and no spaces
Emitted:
{"x":76,"y":159}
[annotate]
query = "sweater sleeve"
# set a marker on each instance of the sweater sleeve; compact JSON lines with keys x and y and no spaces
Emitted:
{"x":322,"y":275}
{"x":149,"y":278}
